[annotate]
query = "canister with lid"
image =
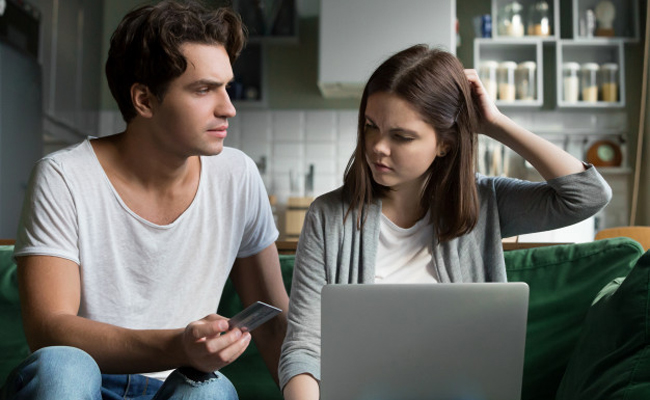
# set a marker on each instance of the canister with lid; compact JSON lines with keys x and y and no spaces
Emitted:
{"x":570,"y":82}
{"x":609,"y":81}
{"x":589,"y":82}
{"x":525,"y":80}
{"x":506,"y":80}
{"x":487,"y":71}
{"x":538,"y":19}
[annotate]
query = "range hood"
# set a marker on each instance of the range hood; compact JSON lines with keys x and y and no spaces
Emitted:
{"x":357,"y":35}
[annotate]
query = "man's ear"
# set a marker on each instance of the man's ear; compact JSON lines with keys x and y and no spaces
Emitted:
{"x":142,"y":100}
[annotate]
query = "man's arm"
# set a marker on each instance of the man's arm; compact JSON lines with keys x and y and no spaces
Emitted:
{"x":259,"y":277}
{"x":50,"y":295}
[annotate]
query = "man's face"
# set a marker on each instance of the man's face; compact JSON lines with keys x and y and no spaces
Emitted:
{"x":192,"y":118}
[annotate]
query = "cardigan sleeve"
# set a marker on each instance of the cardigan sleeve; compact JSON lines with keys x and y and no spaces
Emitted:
{"x":527,"y":207}
{"x":301,"y":347}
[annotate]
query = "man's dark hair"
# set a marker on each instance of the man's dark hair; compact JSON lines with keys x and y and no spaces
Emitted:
{"x":146,"y":46}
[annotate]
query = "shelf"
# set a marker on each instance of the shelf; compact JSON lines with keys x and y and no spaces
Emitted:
{"x":625,"y":24}
{"x":273,"y":21}
{"x":600,"y":53}
{"x":614,"y":170}
{"x":501,"y":24}
{"x":517,"y":51}
{"x":248,"y":85}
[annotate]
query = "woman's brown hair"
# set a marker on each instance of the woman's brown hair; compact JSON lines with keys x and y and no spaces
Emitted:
{"x":146,"y":46}
{"x":433,"y":82}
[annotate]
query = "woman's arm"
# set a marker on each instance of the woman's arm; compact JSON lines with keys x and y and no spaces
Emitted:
{"x":302,"y":387}
{"x":301,"y":348}
{"x":549,"y":160}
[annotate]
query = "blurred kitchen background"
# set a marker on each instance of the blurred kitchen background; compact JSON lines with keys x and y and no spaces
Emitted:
{"x":298,"y":84}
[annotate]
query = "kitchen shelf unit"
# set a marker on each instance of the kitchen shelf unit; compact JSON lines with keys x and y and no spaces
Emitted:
{"x":516,"y":50}
{"x":248,"y":88}
{"x":596,"y":52}
{"x":576,"y":48}
{"x":499,"y":11}
{"x":625,"y":24}
{"x":278,"y":25}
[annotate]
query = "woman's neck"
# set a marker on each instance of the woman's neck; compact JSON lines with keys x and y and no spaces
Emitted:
{"x":403,"y":207}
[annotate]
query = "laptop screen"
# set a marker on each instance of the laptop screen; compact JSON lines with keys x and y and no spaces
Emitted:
{"x":415,"y":341}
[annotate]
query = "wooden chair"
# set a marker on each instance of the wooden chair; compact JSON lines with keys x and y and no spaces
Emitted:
{"x":639,"y":233}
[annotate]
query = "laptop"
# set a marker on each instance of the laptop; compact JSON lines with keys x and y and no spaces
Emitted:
{"x":443,"y":341}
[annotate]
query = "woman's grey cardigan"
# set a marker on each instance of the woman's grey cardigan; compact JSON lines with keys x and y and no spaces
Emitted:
{"x":332,"y":250}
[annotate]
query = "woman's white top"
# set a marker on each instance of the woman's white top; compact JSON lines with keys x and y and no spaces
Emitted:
{"x":405,"y":255}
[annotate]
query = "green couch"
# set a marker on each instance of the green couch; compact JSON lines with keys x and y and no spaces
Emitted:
{"x":588,"y":326}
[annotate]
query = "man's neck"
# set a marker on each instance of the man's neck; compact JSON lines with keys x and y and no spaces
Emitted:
{"x":156,"y":186}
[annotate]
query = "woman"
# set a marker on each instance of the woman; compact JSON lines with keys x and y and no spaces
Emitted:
{"x":412,"y":208}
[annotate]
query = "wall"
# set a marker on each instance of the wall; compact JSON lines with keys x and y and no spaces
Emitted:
{"x":299,"y":127}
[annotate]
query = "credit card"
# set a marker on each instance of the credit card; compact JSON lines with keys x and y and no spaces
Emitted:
{"x":253,"y":316}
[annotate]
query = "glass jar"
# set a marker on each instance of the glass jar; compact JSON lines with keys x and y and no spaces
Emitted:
{"x":538,"y":20}
{"x":487,"y":72}
{"x":516,"y":26}
{"x":589,"y":82}
{"x":609,"y":82}
{"x":511,"y":22}
{"x":570,"y":82}
{"x":525,"y":80}
{"x":506,"y":80}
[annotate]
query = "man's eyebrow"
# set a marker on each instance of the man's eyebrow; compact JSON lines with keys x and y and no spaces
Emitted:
{"x":209,"y":82}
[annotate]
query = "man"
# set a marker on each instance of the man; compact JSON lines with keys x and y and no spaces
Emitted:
{"x":126,"y":241}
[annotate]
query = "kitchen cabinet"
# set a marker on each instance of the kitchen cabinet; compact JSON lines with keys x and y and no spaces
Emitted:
{"x":21,"y":143}
{"x":248,"y":87}
{"x":71,"y":59}
{"x":269,"y":19}
{"x":517,"y":52}
{"x":357,"y":35}
{"x":599,"y":55}
{"x":619,"y":19}
{"x":268,"y":23}
{"x":531,"y":19}
{"x":583,"y":51}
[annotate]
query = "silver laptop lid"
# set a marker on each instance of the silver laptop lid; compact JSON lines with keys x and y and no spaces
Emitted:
{"x":435,"y":341}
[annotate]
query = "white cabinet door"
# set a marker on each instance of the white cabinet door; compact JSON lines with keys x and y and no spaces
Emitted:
{"x":357,"y":35}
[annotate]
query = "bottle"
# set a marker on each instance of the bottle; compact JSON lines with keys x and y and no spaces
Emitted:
{"x":609,"y":79}
{"x":506,"y":80}
{"x":487,"y":71}
{"x":570,"y":82}
{"x":525,"y":80}
{"x":589,"y":82}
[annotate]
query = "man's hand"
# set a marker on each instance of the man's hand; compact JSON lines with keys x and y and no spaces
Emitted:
{"x":210,"y":346}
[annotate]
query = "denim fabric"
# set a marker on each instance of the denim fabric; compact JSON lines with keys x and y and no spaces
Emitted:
{"x":69,"y":373}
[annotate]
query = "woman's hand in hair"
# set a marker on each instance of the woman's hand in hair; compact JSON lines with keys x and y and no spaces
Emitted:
{"x":489,"y":113}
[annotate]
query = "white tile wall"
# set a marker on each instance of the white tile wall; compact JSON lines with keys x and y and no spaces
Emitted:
{"x":292,"y":140}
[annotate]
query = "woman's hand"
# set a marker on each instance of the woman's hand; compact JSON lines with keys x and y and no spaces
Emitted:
{"x":549,"y":160}
{"x":490,"y":114}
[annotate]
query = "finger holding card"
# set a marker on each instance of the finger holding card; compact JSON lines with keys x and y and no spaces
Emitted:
{"x":253,"y":316}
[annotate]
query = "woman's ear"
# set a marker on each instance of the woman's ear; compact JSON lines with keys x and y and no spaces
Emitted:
{"x":142,"y":100}
{"x":442,"y":150}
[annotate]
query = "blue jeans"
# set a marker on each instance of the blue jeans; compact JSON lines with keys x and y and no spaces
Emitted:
{"x":69,"y":373}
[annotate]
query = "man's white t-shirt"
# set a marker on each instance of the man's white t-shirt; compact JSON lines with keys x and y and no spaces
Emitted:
{"x":134,"y":273}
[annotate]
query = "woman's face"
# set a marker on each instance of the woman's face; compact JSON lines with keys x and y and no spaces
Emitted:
{"x":400,"y":145}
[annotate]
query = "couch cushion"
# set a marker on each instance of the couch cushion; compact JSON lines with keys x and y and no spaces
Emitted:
{"x":13,"y":346}
{"x":563,"y":282}
{"x":612,"y":357}
{"x":249,"y":374}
